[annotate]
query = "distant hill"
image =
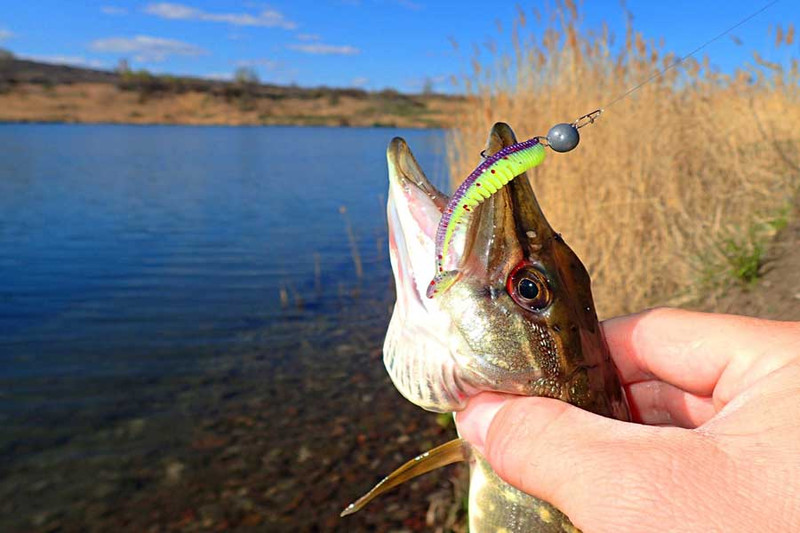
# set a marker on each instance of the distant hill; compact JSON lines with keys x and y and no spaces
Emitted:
{"x":13,"y":71}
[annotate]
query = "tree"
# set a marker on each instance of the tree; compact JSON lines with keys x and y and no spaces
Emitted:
{"x":427,"y":86}
{"x":123,"y":67}
{"x":245,"y":76}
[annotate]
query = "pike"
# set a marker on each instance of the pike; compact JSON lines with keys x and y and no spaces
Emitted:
{"x":518,"y":318}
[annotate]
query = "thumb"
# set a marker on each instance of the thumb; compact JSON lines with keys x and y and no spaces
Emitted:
{"x":603,"y":473}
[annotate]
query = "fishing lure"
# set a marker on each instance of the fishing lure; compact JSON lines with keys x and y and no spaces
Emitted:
{"x":491,"y":176}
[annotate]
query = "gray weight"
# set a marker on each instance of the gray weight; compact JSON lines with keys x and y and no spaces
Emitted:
{"x":563,"y":137}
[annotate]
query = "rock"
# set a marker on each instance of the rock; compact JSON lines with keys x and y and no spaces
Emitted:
{"x":136,"y":426}
{"x":39,"y":519}
{"x":303,"y":455}
{"x":209,"y":442}
{"x":271,"y":456}
{"x":174,"y":471}
{"x":210,"y":514}
{"x":251,"y":520}
{"x":40,"y":485}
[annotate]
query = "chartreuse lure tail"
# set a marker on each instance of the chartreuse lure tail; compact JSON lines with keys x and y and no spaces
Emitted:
{"x":491,"y":175}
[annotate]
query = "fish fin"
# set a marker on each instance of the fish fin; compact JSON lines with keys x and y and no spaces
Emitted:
{"x":452,"y":452}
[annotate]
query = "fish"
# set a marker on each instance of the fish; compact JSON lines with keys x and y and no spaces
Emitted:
{"x":519,"y":319}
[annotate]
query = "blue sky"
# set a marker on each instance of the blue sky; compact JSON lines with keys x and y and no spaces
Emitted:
{"x":369,"y":43}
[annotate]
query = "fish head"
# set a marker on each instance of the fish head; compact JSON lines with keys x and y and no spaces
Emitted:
{"x":518,"y":319}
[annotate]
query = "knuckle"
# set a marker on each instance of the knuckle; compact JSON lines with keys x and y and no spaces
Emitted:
{"x":525,"y":434}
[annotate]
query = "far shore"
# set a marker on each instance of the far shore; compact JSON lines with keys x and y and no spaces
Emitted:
{"x":106,"y":103}
{"x":204,"y":125}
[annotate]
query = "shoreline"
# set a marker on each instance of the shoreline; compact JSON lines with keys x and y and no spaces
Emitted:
{"x":211,"y":125}
{"x":108,"y":103}
{"x":257,"y":443}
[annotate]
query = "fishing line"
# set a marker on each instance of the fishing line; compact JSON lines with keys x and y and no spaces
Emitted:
{"x":500,"y":168}
{"x":564,"y":137}
{"x":687,"y":56}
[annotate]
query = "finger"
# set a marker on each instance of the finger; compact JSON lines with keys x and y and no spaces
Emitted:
{"x":692,"y":350}
{"x":659,"y":403}
{"x":601,"y":472}
{"x":473,"y":422}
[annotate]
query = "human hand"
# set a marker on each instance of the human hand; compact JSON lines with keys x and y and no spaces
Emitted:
{"x":720,"y":451}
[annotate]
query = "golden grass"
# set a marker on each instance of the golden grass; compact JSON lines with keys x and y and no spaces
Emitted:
{"x":668,"y":177}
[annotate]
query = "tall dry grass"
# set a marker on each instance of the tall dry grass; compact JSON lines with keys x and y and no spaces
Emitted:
{"x":672,"y":181}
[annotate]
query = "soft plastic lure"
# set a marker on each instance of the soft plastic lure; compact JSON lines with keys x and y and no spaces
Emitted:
{"x":490,"y":176}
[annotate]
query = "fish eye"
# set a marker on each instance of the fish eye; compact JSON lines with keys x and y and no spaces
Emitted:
{"x":528,"y":287}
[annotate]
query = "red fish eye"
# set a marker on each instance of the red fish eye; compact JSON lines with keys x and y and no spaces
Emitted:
{"x":528,"y":286}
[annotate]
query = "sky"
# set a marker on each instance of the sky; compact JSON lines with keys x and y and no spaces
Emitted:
{"x":374,"y":44}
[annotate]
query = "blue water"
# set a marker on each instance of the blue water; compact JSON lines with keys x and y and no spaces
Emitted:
{"x":158,"y":284}
{"x":134,"y":250}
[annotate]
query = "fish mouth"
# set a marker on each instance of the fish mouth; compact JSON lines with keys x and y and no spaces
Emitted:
{"x":480,"y":334}
{"x":502,"y":229}
{"x":417,"y":350}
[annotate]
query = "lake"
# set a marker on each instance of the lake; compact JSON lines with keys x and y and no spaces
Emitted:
{"x":185,"y":336}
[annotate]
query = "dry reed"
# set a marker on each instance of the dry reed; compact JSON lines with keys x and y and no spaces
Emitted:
{"x":317,"y":272}
{"x":351,"y":238}
{"x":666,"y":177}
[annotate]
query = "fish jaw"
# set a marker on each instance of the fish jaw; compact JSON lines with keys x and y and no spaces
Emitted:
{"x":422,"y":346}
{"x":478,"y":334}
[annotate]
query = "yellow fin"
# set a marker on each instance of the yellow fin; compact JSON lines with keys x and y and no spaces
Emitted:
{"x":452,"y":452}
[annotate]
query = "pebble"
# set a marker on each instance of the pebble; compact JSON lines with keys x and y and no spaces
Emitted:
{"x":174,"y":471}
{"x":303,"y":455}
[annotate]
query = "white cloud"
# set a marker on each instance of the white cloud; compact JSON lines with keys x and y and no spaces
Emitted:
{"x":113,"y":10}
{"x":268,"y":64}
{"x":74,"y":61}
{"x":269,"y":18}
{"x":145,"y":48}
{"x":360,"y":81}
{"x":308,"y":37}
{"x":5,"y":35}
{"x":325,"y":49}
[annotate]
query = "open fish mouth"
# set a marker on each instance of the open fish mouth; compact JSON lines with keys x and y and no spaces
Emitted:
{"x":518,"y":319}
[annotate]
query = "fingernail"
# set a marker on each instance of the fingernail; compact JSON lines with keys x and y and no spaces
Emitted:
{"x":475,"y":421}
